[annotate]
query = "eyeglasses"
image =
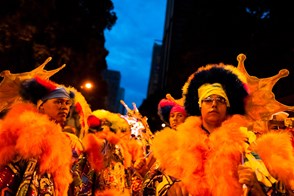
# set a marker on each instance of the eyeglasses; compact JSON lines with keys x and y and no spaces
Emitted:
{"x":219,"y":100}
{"x":60,"y":102}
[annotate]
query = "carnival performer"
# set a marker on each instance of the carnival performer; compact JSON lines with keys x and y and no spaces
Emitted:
{"x":111,"y":152}
{"x":278,"y":121}
{"x":171,"y":113}
{"x":155,"y":181}
{"x":207,"y":151}
{"x":35,"y":154}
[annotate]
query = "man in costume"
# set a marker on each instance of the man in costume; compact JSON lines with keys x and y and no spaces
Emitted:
{"x":207,"y":151}
{"x":36,"y":156}
{"x":280,"y":121}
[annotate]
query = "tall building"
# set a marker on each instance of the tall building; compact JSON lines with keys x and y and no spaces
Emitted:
{"x":155,"y":71}
{"x":203,"y":32}
{"x":121,"y":95}
{"x":115,"y":92}
{"x":197,"y":33}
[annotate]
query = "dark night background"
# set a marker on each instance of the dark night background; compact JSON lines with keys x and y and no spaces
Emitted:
{"x":199,"y":32}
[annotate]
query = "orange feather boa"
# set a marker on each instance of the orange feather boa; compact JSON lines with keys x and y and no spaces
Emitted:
{"x":276,"y":150}
{"x":25,"y":133}
{"x":207,"y":165}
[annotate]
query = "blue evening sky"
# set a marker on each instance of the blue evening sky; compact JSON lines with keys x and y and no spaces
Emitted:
{"x":140,"y":23}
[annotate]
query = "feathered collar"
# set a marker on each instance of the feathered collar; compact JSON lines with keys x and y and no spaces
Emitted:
{"x":207,"y":164}
{"x":27,"y":134}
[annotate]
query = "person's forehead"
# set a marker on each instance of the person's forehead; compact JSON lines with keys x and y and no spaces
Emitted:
{"x":59,"y":99}
{"x":215,"y":95}
{"x":176,"y":112}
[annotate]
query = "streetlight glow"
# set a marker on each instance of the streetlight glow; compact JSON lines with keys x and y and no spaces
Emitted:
{"x":88,"y":85}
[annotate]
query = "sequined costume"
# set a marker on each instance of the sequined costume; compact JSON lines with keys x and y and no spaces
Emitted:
{"x":156,"y":182}
{"x":111,"y":153}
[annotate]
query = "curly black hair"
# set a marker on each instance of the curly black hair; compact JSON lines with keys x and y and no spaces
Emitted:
{"x":230,"y":82}
{"x":31,"y":90}
{"x":164,"y":112}
{"x":35,"y":89}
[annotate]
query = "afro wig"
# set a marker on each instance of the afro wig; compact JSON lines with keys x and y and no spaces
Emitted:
{"x":231,"y":79}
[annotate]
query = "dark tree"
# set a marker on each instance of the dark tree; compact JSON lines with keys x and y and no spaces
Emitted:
{"x":70,"y":31}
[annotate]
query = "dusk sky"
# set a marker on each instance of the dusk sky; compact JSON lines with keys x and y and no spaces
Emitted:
{"x":139,"y":25}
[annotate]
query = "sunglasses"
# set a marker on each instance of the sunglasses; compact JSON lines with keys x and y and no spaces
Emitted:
{"x":219,"y":100}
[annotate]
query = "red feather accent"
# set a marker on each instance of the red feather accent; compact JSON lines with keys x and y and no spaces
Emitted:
{"x":93,"y":121}
{"x":79,"y":108}
{"x":48,"y":84}
{"x":166,"y":102}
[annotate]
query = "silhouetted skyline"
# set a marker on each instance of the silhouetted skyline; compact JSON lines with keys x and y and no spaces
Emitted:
{"x":130,"y":42}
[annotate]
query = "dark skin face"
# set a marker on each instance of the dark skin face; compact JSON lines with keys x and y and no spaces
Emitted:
{"x":213,"y":113}
{"x":57,"y":109}
{"x":176,"y":118}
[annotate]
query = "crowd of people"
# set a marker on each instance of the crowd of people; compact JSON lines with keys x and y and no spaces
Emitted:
{"x":209,"y":146}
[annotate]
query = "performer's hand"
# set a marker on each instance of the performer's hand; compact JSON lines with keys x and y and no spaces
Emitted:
{"x":140,"y":166}
{"x":177,"y":189}
{"x":247,"y":177}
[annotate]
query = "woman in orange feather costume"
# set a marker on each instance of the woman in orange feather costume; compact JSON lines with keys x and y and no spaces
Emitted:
{"x":208,"y":150}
